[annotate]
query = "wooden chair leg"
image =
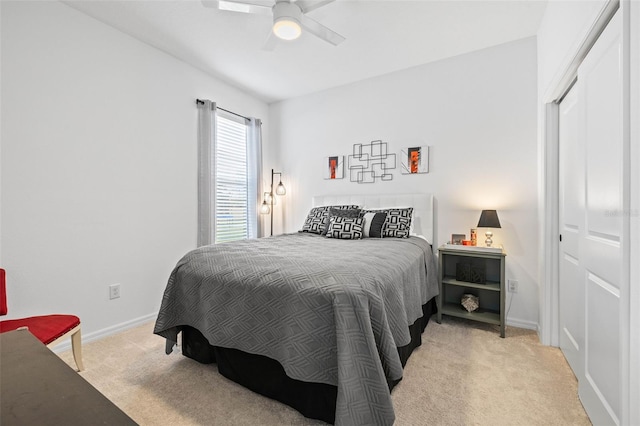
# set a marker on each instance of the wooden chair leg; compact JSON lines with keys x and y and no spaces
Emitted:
{"x":76,"y":344}
{"x":76,"y":347}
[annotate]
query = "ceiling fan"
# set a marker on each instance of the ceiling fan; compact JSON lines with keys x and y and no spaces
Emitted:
{"x":288,"y":18}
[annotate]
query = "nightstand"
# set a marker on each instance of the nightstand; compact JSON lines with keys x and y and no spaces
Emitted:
{"x":472,"y":270}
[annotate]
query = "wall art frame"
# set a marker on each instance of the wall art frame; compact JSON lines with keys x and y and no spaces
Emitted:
{"x":334,"y":167}
{"x":414,"y":160}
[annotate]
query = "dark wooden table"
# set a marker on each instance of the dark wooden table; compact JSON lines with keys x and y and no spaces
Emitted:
{"x":38,"y":388}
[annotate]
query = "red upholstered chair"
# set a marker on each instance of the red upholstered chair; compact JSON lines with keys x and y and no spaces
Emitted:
{"x":49,"y":329}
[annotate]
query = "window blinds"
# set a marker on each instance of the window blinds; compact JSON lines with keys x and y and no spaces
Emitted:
{"x":231,"y":207}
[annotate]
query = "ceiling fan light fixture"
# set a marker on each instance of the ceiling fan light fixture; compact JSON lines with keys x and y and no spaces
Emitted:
{"x":287,"y":28}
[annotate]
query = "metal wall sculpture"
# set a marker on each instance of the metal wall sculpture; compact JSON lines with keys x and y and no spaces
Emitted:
{"x":371,"y":162}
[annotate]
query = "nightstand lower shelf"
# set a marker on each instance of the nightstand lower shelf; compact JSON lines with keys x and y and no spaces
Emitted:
{"x":482,"y":315}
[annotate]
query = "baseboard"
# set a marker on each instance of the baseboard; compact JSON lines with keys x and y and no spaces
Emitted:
{"x":529,"y":325}
{"x":100,"y":334}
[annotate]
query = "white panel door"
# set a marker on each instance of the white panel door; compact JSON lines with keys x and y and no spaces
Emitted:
{"x":600,"y":93}
{"x":571,"y":209}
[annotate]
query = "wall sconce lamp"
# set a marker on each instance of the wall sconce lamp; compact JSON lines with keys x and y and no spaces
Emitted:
{"x":489,"y":219}
{"x":269,"y":199}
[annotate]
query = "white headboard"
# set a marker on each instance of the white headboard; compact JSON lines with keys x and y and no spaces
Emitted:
{"x":423,"y":217}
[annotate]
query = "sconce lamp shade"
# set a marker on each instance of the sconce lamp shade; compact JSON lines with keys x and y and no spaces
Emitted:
{"x":264,"y":208}
{"x":489,"y":219}
{"x":267,"y":197}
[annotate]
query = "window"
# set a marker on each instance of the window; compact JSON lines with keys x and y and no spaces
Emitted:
{"x":231,"y":204}
{"x":229,"y":175}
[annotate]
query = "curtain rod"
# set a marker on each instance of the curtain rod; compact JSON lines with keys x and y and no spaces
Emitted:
{"x":199,"y":101}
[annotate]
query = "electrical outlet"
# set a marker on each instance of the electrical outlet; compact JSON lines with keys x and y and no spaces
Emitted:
{"x":114,"y":291}
{"x":513,"y":286}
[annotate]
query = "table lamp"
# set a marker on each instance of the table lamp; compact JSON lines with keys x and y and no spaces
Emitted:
{"x":489,"y":219}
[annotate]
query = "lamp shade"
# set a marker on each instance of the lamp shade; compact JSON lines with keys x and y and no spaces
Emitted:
{"x":264,"y":208}
{"x":489,"y":219}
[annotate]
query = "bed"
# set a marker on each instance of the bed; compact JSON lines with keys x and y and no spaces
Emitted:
{"x":324,"y":325}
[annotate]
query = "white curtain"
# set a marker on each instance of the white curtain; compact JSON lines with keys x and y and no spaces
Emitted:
{"x":254,"y":176}
{"x":206,"y":172}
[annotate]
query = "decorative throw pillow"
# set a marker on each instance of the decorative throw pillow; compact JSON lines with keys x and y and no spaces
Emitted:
{"x":373,"y":222}
{"x":346,"y":228}
{"x":318,"y":217}
{"x":398,"y":223}
{"x":342,"y":213}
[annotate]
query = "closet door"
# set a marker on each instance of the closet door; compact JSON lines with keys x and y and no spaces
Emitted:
{"x":571,"y":208}
{"x":592,"y":228}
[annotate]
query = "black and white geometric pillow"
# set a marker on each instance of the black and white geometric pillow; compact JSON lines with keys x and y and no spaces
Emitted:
{"x":318,"y":217}
{"x":398,"y":223}
{"x":342,"y":213}
{"x":346,"y":228}
{"x":313,"y":222}
{"x":373,"y":223}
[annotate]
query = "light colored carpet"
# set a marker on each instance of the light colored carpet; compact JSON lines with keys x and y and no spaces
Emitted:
{"x":463,"y":374}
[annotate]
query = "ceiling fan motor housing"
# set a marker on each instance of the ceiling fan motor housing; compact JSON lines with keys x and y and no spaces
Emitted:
{"x":287,"y":20}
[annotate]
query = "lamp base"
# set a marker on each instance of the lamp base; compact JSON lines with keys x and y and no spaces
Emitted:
{"x":488,"y":241}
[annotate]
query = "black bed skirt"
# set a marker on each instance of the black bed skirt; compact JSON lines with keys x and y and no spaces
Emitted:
{"x":267,"y":377}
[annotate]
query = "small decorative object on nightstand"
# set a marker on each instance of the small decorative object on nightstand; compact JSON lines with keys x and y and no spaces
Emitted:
{"x":470,"y":302}
{"x":457,"y":239}
{"x":489,"y":219}
{"x":477,"y":271}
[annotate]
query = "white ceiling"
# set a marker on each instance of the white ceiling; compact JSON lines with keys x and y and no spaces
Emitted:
{"x":382,"y":36}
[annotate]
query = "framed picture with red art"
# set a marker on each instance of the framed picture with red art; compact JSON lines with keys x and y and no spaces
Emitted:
{"x":334,"y":167}
{"x":414,"y":160}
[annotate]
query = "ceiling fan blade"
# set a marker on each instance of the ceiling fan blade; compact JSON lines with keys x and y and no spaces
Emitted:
{"x":271,"y":42}
{"x":309,"y":5}
{"x":244,"y":7}
{"x":321,"y":31}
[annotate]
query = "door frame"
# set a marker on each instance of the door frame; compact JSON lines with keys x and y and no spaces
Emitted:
{"x":631,"y":364}
{"x":549,"y":198}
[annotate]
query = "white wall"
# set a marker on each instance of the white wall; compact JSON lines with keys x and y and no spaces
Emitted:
{"x":0,"y":135}
{"x":564,"y":25}
{"x":99,"y":164}
{"x":477,"y":112}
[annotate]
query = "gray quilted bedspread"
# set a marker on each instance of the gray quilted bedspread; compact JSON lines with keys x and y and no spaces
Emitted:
{"x":330,"y":311}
